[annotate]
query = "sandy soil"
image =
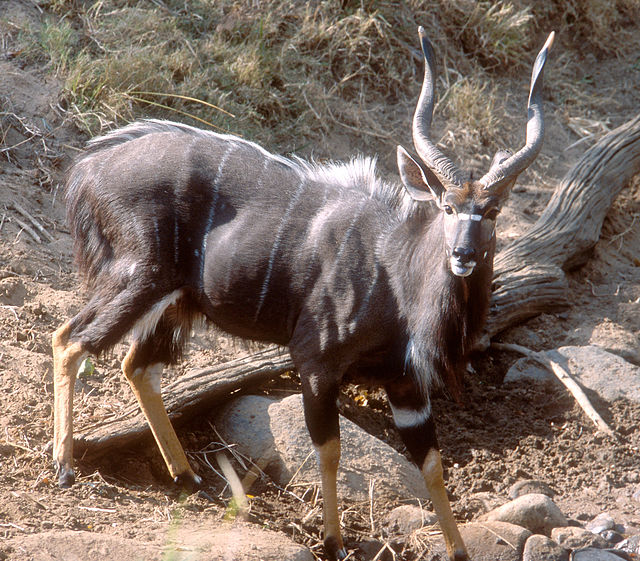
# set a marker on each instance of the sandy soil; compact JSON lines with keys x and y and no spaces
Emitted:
{"x":500,"y":434}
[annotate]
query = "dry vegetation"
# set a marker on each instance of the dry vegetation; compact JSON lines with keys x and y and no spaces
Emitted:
{"x":288,"y":73}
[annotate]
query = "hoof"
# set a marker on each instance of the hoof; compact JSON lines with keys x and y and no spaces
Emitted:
{"x":333,"y":550}
{"x":189,"y":482}
{"x":66,"y":477}
{"x":460,"y":556}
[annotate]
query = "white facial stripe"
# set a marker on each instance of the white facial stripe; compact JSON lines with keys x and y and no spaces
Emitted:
{"x":474,"y":217}
{"x":406,"y":417}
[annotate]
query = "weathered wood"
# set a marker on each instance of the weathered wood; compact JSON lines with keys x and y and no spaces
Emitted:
{"x":191,"y":394}
{"x":529,"y":279}
{"x":529,"y":276}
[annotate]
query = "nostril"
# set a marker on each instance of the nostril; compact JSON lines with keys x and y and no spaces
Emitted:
{"x":464,"y":254}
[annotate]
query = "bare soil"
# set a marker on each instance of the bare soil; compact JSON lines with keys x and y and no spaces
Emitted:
{"x":497,"y":436}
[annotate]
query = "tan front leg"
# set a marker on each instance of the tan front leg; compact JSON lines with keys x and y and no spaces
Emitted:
{"x":432,"y":472}
{"x":67,"y":358}
{"x":146,"y":384}
{"x":328,"y":459}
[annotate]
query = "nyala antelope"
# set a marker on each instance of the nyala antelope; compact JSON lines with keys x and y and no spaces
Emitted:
{"x":358,"y":277}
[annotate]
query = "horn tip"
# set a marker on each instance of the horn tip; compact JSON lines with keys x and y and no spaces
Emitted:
{"x":421,"y":31}
{"x":550,"y":40}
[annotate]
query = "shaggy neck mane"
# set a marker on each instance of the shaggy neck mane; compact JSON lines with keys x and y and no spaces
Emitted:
{"x":444,"y":313}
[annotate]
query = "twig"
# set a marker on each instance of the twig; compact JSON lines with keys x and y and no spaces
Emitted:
{"x":372,"y":483}
{"x":298,"y":470}
{"x":565,"y":378}
{"x":385,"y":546}
{"x":98,"y":509}
{"x":12,"y":525}
{"x":28,"y":229}
{"x":33,"y":221}
{"x":499,"y":536}
{"x":234,"y":482}
{"x":15,"y":445}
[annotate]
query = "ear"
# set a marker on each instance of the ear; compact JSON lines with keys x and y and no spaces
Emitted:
{"x":419,"y":181}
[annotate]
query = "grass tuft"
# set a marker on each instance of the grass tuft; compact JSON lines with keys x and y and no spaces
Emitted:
{"x":323,"y":74}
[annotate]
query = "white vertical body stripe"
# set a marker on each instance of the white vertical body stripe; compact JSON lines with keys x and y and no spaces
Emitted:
{"x":276,"y":245}
{"x":214,"y":202}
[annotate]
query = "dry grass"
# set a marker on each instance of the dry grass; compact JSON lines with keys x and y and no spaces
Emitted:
{"x":295,"y":75}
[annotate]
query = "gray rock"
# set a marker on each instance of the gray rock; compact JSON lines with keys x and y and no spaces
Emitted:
{"x":273,"y":433}
{"x":541,"y":548}
{"x":600,"y":523}
{"x":536,"y":512}
{"x":594,"y":554}
{"x":482,"y":502}
{"x":614,"y":338}
{"x":527,"y":486}
{"x":609,"y":375}
{"x":612,"y":536}
{"x":572,"y":537}
{"x":405,"y":519}
{"x":630,"y":545}
{"x":489,"y":541}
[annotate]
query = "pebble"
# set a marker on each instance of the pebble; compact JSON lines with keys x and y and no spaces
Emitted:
{"x":528,"y":486}
{"x":577,"y":538}
{"x":593,"y":554}
{"x":488,"y":541}
{"x":535,"y":512}
{"x":630,"y":545}
{"x":405,"y":519}
{"x":600,"y":523}
{"x":541,"y":548}
{"x":612,"y":536}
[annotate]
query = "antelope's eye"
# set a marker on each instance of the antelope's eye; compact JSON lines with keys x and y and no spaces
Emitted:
{"x":492,"y":213}
{"x":447,"y":209}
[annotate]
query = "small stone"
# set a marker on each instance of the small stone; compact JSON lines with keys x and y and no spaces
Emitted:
{"x":488,"y":541}
{"x":612,"y":536}
{"x":371,"y":549}
{"x":576,"y":538}
{"x":541,"y":548}
{"x":405,"y":519}
{"x":535,"y":512}
{"x":600,"y":523}
{"x":630,"y":545}
{"x":527,"y":486}
{"x":481,"y":503}
{"x":594,"y":554}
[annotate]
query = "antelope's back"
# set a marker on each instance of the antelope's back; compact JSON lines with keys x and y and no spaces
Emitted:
{"x":258,"y":239}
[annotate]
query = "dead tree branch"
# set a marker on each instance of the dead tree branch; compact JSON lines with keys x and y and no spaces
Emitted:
{"x":529,"y":276}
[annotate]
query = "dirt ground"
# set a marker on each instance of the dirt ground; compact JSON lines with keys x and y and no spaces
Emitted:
{"x":500,"y":434}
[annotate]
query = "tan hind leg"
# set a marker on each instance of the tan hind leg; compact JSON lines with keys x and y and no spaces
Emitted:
{"x":146,"y":382}
{"x":432,"y":472}
{"x":67,"y":358}
{"x":328,"y":460}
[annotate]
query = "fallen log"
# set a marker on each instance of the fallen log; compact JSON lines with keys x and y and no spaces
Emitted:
{"x":530,"y":273}
{"x":529,"y":279}
{"x":195,"y":392}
